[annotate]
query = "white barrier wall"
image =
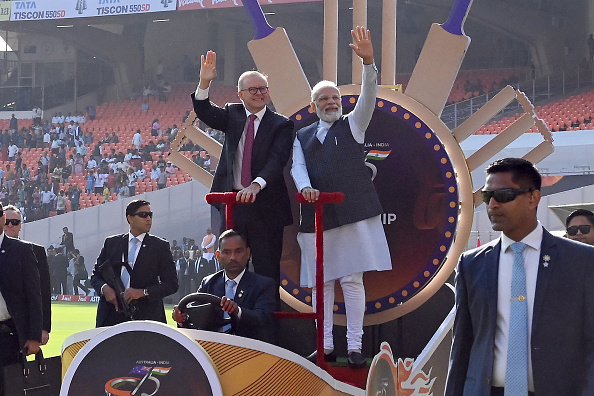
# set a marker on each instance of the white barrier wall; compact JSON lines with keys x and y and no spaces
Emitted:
{"x":178,"y":211}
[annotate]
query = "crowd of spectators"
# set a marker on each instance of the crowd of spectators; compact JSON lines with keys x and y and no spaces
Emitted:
{"x":71,"y":149}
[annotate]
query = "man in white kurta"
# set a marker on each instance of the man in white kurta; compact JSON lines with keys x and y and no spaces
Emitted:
{"x":357,"y":244}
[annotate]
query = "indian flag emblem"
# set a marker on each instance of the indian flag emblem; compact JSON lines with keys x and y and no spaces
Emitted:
{"x":378,"y":155}
{"x":161,"y":370}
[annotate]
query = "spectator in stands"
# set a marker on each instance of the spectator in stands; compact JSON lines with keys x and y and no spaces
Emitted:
{"x":47,"y":200}
{"x":105,"y":194}
{"x":14,"y":124}
{"x":75,"y":197}
{"x":137,"y":139}
{"x":18,"y":162}
{"x":123,"y":191}
{"x":114,"y":138}
{"x":156,"y":128}
{"x":161,"y":162}
{"x":100,"y":179}
{"x":91,"y":112}
{"x":90,"y":182}
{"x":155,"y":173}
{"x":170,"y":169}
{"x":36,"y":115}
{"x":132,"y":177}
{"x":9,"y":177}
{"x":162,"y":179}
{"x":145,"y":105}
{"x":12,"y":151}
{"x":61,"y":203}
{"x":111,"y":181}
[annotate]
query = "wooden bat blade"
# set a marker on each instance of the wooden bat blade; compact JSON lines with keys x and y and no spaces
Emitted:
{"x":274,"y":56}
{"x":436,"y":70}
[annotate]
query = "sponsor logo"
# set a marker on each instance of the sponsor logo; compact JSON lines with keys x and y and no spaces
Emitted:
{"x":81,"y":6}
{"x":183,"y":3}
{"x":143,"y":377}
{"x":24,"y":5}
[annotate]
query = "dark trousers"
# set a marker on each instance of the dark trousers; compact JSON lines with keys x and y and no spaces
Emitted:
{"x":9,"y":343}
{"x":265,"y":241}
{"x":76,"y":284}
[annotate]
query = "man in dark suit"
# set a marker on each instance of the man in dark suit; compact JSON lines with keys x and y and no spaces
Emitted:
{"x":554,"y":354}
{"x":200,"y":268}
{"x":12,"y":228}
{"x":145,"y":264}
{"x":21,"y":315}
{"x":258,"y":178}
{"x":254,"y":300}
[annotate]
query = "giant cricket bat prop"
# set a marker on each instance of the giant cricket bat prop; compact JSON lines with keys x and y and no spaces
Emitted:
{"x":274,"y":55}
{"x":436,"y":70}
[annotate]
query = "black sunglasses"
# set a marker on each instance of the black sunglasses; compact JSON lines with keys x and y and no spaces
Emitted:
{"x":143,"y":215}
{"x":504,"y":195}
{"x":573,"y":230}
{"x":14,"y":222}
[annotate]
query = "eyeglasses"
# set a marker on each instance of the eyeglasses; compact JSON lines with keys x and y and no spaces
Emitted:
{"x":14,"y":222}
{"x":255,"y":90}
{"x":504,"y":195}
{"x":324,"y":99}
{"x":143,"y":215}
{"x":573,"y":230}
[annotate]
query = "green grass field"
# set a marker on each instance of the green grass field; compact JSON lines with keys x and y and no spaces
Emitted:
{"x":69,"y":318}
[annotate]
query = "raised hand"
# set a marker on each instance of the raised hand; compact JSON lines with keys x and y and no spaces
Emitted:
{"x":362,"y":44}
{"x":208,"y":69}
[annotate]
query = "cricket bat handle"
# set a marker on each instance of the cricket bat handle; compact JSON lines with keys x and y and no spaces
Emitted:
{"x":458,"y":13}
{"x":258,"y":20}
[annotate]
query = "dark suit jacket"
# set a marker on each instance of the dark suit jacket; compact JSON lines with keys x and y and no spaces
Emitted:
{"x":271,"y":151}
{"x":19,"y":285}
{"x":46,"y":285}
{"x":154,"y":270}
{"x":562,"y":343}
{"x":256,"y":295}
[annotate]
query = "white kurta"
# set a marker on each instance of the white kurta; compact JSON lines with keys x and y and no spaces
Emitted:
{"x":351,"y":248}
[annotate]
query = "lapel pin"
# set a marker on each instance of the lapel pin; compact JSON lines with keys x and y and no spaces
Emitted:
{"x":546,"y":258}
{"x":3,"y":251}
{"x":240,"y":294}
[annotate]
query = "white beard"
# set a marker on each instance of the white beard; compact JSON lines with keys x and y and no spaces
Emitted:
{"x":331,"y":116}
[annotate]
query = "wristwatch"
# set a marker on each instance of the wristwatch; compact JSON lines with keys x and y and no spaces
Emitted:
{"x":145,"y":291}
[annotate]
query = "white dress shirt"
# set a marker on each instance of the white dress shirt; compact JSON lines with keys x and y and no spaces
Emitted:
{"x":4,"y":315}
{"x":506,"y":261}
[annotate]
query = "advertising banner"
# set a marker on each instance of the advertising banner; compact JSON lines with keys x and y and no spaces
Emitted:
{"x":59,"y":9}
{"x":209,"y":4}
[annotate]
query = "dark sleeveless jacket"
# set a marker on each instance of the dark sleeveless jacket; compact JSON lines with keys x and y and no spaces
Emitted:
{"x":337,"y":165}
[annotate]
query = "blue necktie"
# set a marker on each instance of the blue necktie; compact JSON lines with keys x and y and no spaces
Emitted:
{"x":229,"y":285}
{"x":131,"y":253}
{"x":516,"y":373}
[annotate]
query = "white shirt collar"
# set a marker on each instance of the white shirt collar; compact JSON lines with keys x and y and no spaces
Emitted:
{"x":237,"y":279}
{"x":139,"y":237}
{"x":259,"y":114}
{"x":534,"y":239}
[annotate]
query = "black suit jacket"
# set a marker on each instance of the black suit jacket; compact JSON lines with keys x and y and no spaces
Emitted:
{"x":271,"y":151}
{"x":19,"y":285}
{"x":46,"y":285}
{"x":256,"y":295}
{"x":154,"y":270}
{"x":562,"y":343}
